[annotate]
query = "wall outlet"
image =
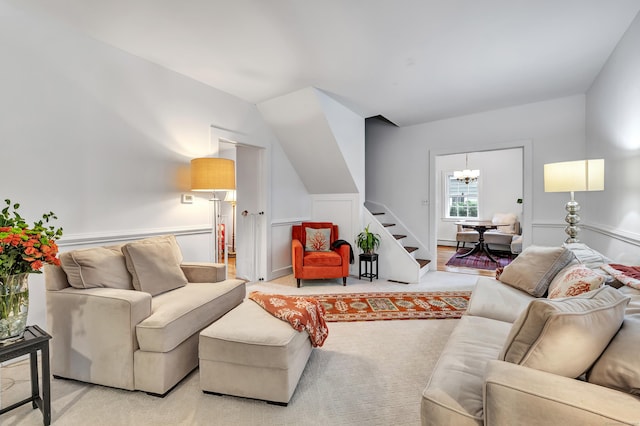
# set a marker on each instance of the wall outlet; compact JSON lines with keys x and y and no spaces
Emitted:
{"x":187,"y":199}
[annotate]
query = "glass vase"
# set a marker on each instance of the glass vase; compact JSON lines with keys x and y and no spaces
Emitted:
{"x":14,"y":306}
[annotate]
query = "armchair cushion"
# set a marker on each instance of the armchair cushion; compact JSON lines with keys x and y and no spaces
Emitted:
{"x":154,"y":265}
{"x":317,"y":258}
{"x":96,"y":267}
{"x":317,"y":239}
{"x":507,"y":222}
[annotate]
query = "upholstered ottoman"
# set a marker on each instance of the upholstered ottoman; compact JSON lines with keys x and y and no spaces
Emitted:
{"x":250,"y":353}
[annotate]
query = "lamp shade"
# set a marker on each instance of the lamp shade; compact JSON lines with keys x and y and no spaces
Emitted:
{"x":569,"y":176}
{"x":230,"y":197}
{"x":212,"y":174}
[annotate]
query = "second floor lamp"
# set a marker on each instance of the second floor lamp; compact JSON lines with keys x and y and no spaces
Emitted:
{"x":210,"y":174}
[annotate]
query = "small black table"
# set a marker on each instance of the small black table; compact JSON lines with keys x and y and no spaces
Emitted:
{"x":369,"y":260}
{"x":34,"y":339}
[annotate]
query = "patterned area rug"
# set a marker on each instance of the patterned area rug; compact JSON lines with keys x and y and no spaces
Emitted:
{"x":393,"y":306}
{"x":480,"y":260}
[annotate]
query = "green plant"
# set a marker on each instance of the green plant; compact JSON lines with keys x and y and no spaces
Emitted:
{"x":368,"y":241}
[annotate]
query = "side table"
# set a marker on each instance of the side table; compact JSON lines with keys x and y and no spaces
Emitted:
{"x":370,"y":260}
{"x":35,"y":339}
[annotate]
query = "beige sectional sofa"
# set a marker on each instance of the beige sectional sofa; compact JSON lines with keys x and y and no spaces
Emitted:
{"x":517,"y":359}
{"x":129,"y":316}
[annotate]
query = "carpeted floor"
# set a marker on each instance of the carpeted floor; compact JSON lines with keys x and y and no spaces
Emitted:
{"x":480,"y":260}
{"x":366,"y":373}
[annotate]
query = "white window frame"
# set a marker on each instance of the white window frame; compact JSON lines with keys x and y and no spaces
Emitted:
{"x":447,"y":176}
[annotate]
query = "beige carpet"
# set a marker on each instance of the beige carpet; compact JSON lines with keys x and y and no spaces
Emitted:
{"x":366,"y":373}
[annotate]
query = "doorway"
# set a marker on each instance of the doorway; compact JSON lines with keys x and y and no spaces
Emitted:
{"x":245,"y":222}
{"x":505,"y":179}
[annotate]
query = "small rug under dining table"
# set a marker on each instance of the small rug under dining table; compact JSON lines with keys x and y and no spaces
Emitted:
{"x":480,"y":260}
{"x":393,"y":305}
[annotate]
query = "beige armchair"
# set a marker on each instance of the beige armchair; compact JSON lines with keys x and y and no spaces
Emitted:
{"x":465,"y":236}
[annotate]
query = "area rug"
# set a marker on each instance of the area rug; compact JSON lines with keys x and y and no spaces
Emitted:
{"x":479,"y":260}
{"x":394,"y":306}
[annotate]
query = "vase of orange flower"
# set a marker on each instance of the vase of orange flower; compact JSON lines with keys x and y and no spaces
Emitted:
{"x":24,"y":250}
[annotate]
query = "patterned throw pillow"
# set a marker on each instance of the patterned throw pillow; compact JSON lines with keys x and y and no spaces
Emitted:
{"x":627,"y":275}
{"x":318,"y":239}
{"x":574,"y":280}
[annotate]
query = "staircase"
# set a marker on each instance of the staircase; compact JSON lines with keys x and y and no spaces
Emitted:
{"x":402,"y":257}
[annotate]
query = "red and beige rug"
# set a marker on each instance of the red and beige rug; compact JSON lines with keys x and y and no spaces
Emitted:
{"x":394,"y":306}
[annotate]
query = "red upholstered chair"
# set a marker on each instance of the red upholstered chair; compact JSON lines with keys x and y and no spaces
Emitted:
{"x":310,"y":265}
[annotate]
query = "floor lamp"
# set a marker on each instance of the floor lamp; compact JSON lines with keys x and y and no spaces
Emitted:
{"x":210,"y":175}
{"x":572,"y":176}
{"x":231,"y":199}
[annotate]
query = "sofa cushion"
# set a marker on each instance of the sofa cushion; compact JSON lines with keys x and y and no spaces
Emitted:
{"x":154,"y":265}
{"x":565,"y":336}
{"x":178,"y":314}
{"x":574,"y":280}
{"x":533,"y":270}
{"x":453,"y":395}
{"x":317,"y":239}
{"x":96,"y":267}
{"x":492,"y":299}
{"x":317,"y":258}
{"x":619,"y":365}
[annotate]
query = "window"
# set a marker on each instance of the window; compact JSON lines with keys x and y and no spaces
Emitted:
{"x":461,"y":198}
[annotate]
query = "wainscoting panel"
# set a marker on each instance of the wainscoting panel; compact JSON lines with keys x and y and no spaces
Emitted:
{"x":281,"y":246}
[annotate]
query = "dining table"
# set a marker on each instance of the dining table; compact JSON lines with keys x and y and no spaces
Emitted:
{"x":481,"y":226}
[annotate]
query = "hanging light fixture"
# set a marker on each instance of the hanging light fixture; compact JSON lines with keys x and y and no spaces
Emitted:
{"x":466,"y":175}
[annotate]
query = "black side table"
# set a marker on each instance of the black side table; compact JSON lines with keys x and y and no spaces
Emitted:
{"x":35,"y":339}
{"x":369,"y":261}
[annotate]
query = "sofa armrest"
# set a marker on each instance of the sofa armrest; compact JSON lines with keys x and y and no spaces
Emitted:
{"x":204,"y":272}
{"x":94,"y":333}
{"x":519,"y":395}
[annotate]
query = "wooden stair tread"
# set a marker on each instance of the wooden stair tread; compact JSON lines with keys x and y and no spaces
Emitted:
{"x":386,"y":225}
{"x":399,"y":237}
{"x":411,"y":249}
{"x":423,"y":262}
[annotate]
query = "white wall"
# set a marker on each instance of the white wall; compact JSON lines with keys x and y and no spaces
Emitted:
{"x":500,"y":185}
{"x":613,"y":133}
{"x":398,"y":171}
{"x":104,"y":139}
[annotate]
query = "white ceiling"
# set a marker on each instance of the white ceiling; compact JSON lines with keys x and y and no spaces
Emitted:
{"x":411,"y":61}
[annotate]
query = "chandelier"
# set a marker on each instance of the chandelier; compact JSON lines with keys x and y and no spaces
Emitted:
{"x":466,"y":175}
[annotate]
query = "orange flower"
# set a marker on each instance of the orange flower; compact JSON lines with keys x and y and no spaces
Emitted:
{"x":37,"y":265}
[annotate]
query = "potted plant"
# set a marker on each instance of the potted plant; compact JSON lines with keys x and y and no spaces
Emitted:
{"x":24,"y":250}
{"x":367,"y":241}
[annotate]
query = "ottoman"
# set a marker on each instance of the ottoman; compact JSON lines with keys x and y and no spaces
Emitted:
{"x":250,"y":353}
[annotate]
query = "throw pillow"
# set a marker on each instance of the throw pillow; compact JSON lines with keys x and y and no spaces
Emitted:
{"x":318,"y":239}
{"x":619,"y":365}
{"x":507,"y":222}
{"x":627,"y":275}
{"x":534,"y":268}
{"x":574,"y":280}
{"x":96,"y":267}
{"x":565,"y":336}
{"x":154,"y":265}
